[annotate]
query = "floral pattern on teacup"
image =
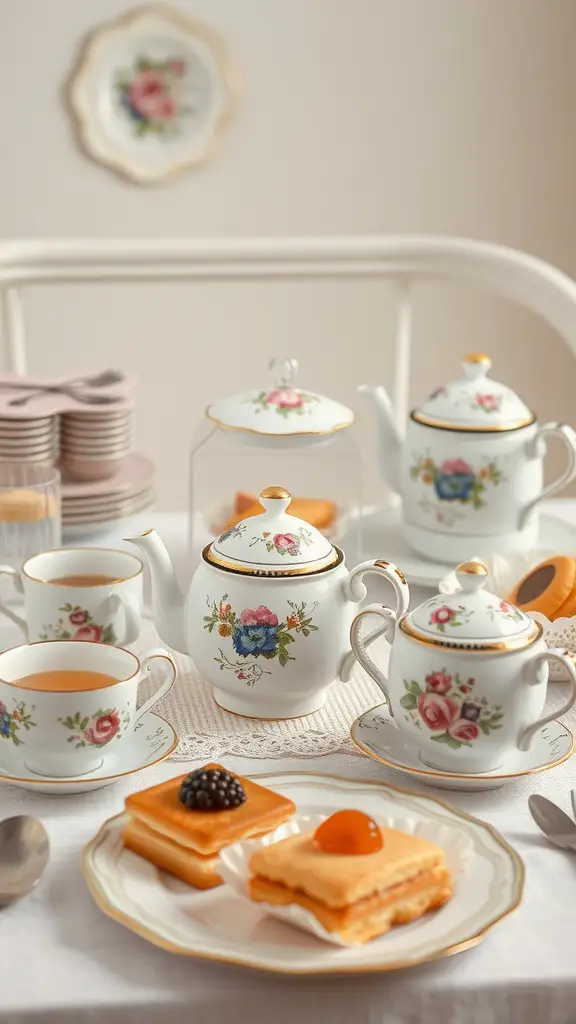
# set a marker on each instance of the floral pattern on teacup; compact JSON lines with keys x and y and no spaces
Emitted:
{"x":284,"y":543}
{"x":257,"y":633}
{"x":151,"y":94}
{"x":95,"y":730}
{"x":287,"y":401}
{"x":11,"y":722}
{"x":79,"y":625}
{"x":447,"y":706}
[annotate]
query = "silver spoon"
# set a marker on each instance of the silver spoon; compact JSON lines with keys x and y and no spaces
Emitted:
{"x":71,"y":388}
{"x":24,"y":853}
{"x":557,"y":826}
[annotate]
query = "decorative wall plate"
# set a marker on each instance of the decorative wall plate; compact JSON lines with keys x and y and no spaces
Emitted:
{"x":151,"y":94}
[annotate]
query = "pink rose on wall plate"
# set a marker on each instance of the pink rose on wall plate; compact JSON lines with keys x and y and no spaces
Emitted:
{"x":152,"y":95}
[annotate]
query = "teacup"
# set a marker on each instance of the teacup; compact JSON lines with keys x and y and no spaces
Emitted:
{"x":79,"y":594}
{"x":69,"y":705}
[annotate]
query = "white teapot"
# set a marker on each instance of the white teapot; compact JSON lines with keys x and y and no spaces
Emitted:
{"x":267,"y":619}
{"x":470,"y":470}
{"x":467,"y":676}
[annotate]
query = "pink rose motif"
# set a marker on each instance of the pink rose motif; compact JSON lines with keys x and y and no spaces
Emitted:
{"x":103,"y":730}
{"x":78,"y":617}
{"x":438,"y":682}
{"x":93,"y":633}
{"x":488,"y":402}
{"x":177,"y":67}
{"x":286,"y":541}
{"x":442,"y":615}
{"x":437,"y":712}
{"x":286,"y":398}
{"x":241,"y":675}
{"x":258,"y":617}
{"x":148,"y":96}
{"x":464,"y":730}
{"x":505,"y":607}
{"x":458,"y":466}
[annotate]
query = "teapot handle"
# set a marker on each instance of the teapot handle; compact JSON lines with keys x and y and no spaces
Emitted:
{"x":568,"y":436}
{"x":355,"y":590}
{"x":359,"y":645}
{"x":526,"y":736}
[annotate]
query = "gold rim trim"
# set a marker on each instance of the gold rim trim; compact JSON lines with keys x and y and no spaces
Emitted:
{"x":71,"y":551}
{"x":80,"y":644}
{"x":222,"y":563}
{"x":275,"y":492}
{"x":455,"y":775}
{"x":269,"y":433}
{"x":148,"y":935}
{"x":101,"y":778}
{"x":511,"y":644}
{"x":472,"y":568}
{"x":494,"y":428}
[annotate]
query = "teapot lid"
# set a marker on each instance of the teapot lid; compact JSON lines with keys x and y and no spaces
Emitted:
{"x":274,"y":543}
{"x":475,"y":402}
{"x":281,"y":409}
{"x":471,"y":617}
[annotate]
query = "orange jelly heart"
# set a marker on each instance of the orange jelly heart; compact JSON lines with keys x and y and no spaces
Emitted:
{"x":348,"y":832}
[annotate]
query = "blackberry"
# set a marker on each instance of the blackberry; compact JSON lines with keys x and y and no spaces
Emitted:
{"x":211,"y":789}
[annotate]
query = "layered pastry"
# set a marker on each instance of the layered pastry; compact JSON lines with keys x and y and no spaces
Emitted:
{"x":319,"y":512}
{"x":549,"y":588}
{"x":181,"y":825}
{"x":359,"y":880}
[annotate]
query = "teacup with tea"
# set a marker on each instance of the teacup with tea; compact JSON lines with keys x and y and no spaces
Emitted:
{"x":79,"y":594}
{"x":69,"y":706}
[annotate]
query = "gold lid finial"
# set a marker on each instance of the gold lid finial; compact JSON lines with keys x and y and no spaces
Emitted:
{"x":472,"y":568}
{"x":275,"y":492}
{"x":477,"y":357}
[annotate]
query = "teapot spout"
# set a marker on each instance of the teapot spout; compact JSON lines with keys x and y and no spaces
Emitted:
{"x":390,"y":440}
{"x":167,"y":599}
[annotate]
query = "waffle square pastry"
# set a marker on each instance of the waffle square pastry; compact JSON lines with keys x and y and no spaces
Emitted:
{"x":186,"y":842}
{"x":358,"y":896}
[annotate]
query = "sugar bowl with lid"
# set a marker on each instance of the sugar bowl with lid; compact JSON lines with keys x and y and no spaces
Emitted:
{"x":467,"y":676}
{"x":268,"y":615}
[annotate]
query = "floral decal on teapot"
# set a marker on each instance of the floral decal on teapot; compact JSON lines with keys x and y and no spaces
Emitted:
{"x":257,"y":633}
{"x":447,"y":706}
{"x":284,"y":543}
{"x":489,"y":403}
{"x":79,"y":625}
{"x":11,"y":722}
{"x":287,"y":401}
{"x":445,"y":616}
{"x":455,"y":482}
{"x":509,"y":611}
{"x":95,"y":730}
{"x":232,"y":531}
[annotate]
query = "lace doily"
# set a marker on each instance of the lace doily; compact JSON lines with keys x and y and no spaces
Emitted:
{"x":208,"y":733}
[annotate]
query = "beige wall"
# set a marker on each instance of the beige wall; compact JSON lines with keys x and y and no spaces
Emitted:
{"x":449,"y":116}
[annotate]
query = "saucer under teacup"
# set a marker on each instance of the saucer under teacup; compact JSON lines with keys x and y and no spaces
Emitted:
{"x":152,"y":742}
{"x":376,"y":735}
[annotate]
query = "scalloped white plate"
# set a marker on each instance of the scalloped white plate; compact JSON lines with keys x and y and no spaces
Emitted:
{"x":219,"y":925}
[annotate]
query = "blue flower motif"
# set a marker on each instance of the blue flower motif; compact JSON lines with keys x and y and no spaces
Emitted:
{"x":255,"y":640}
{"x":5,"y":725}
{"x":454,"y":486}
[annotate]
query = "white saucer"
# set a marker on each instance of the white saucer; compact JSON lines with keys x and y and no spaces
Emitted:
{"x":375,"y":734}
{"x":153,"y":741}
{"x":381,"y":537}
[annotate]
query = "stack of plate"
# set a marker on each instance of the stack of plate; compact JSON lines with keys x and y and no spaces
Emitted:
{"x":95,"y":444}
{"x":129,"y":491}
{"x":29,"y":440}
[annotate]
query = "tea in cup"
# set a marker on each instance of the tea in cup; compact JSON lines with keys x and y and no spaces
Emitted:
{"x":70,"y":705}
{"x":79,"y":594}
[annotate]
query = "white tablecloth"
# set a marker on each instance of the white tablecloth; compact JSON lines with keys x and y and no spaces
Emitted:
{"x":62,"y":960}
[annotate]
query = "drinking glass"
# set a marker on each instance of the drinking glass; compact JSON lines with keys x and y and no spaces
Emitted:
{"x":30,"y":517}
